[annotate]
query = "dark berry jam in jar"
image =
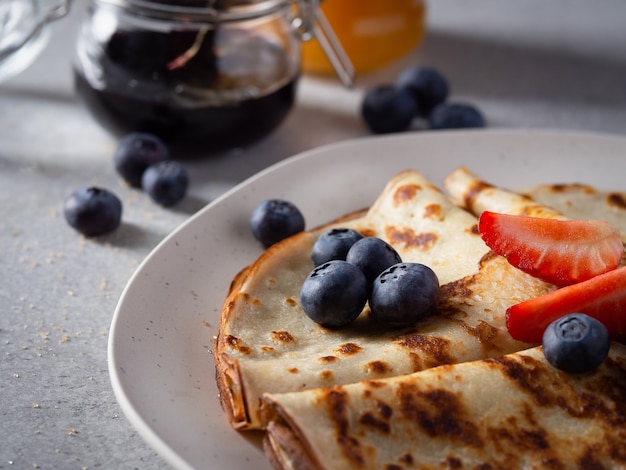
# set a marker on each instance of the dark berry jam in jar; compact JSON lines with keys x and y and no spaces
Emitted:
{"x":204,"y":75}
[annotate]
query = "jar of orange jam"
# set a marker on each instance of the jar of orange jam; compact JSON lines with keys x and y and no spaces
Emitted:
{"x":373,"y":33}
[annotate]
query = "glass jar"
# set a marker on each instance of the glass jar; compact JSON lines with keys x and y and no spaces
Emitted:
{"x":373,"y":33}
{"x":206,"y":75}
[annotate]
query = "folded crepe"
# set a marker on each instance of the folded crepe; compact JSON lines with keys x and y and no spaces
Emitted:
{"x":513,"y":411}
{"x":476,"y":195}
{"x":582,"y":201}
{"x":266,"y":343}
{"x":562,"y":201}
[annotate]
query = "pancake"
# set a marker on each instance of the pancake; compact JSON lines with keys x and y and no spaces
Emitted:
{"x":266,"y":344}
{"x":581,"y":201}
{"x":562,"y":201}
{"x":514,"y":411}
{"x":470,"y":192}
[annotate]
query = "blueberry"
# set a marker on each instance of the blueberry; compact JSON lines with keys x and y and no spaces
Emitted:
{"x":137,"y":151}
{"x":576,"y":343}
{"x":456,"y":116}
{"x":334,"y":244}
{"x":428,"y":87}
{"x":334,"y":294}
{"x":274,"y":220}
{"x":372,"y":255}
{"x":403,"y":294}
{"x":93,"y":211}
{"x":165,"y":182}
{"x":386,"y":109}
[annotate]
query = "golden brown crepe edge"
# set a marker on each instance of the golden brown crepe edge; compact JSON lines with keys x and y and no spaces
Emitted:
{"x":230,"y":385}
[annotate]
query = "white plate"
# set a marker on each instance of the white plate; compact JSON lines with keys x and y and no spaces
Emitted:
{"x":161,"y":339}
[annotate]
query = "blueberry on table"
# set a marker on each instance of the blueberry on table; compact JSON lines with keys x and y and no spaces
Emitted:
{"x":334,"y":294}
{"x":372,"y":255}
{"x":456,"y":116}
{"x":274,"y":220}
{"x":93,"y":211}
{"x":576,"y":343}
{"x":386,"y":109}
{"x":427,"y":85}
{"x":334,"y":244}
{"x":137,"y":151}
{"x":403,"y":294}
{"x":165,"y":182}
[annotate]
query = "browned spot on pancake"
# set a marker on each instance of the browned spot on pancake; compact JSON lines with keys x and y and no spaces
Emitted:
{"x":384,"y":409}
{"x":474,"y":230}
{"x":439,"y":412}
{"x":289,"y":301}
{"x":368,"y":232}
{"x":393,"y":466}
{"x":256,"y":302}
{"x":237,"y":344}
{"x":377,"y":367}
{"x":407,"y":459}
{"x":433,"y":211}
{"x":549,"y":389}
{"x":433,"y":351}
{"x":453,"y":462}
{"x":271,"y":281}
{"x":327,"y":359}
{"x":522,"y":436}
{"x":409,"y":239}
{"x":283,"y":337}
{"x":405,"y":194}
{"x":459,"y":289}
{"x":336,"y":401}
{"x":374,"y":384}
{"x":293,"y":370}
{"x":616,"y":200}
{"x":267,"y":348}
{"x":326,"y":375}
{"x":369,"y":419}
{"x":474,"y":191}
{"x":348,"y":349}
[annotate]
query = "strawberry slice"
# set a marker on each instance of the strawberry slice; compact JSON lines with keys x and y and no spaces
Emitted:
{"x":602,"y":297}
{"x":561,"y":252}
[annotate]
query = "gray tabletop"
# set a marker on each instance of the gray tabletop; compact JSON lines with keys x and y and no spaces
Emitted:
{"x":532,"y":64}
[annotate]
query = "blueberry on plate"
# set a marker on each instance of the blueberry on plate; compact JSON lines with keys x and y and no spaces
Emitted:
{"x":387,"y":108}
{"x":334,"y":244}
{"x":576,"y":343}
{"x":137,"y":151}
{"x":372,"y":255}
{"x":93,"y":211}
{"x":456,"y":116}
{"x":274,"y":220}
{"x":403,"y":294}
{"x":427,"y":85}
{"x":334,"y":294}
{"x":165,"y":182}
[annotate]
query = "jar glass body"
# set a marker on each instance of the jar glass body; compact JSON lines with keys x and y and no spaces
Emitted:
{"x":373,"y":33}
{"x":203,"y":86}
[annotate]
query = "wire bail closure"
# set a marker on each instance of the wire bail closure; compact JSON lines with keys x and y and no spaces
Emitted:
{"x":313,"y":24}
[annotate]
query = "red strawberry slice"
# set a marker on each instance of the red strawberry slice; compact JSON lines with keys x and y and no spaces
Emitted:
{"x":603,"y":297}
{"x":561,"y":252}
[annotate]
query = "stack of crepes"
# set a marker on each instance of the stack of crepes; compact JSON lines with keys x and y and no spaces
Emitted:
{"x":452,"y":391}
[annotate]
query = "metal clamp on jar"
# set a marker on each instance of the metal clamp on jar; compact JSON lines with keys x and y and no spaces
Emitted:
{"x":207,"y":75}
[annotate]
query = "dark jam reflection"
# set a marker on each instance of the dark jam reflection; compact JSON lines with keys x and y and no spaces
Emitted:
{"x":177,"y":86}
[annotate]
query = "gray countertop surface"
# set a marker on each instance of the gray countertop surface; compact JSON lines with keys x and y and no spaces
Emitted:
{"x":525,"y":64}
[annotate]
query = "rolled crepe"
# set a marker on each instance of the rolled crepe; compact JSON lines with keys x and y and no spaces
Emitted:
{"x":514,"y":411}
